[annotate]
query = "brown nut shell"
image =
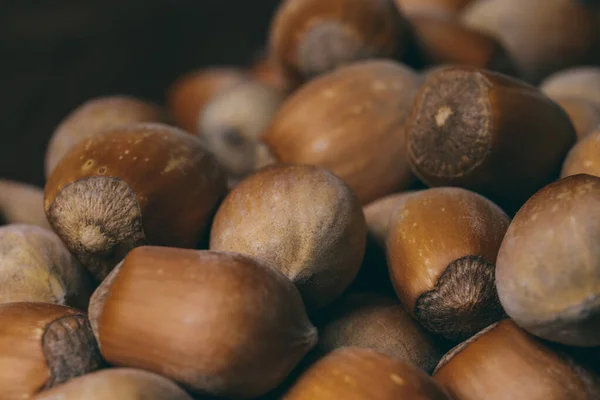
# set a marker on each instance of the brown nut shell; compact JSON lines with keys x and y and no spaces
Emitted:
{"x":219,"y":323}
{"x":373,"y":274}
{"x":584,"y":157}
{"x":505,"y":363}
{"x":232,"y":123}
{"x":35,"y":266}
{"x":147,"y":183}
{"x":442,"y":245}
{"x":311,"y":37}
{"x":542,"y":36}
{"x":21,"y":203}
{"x":377,"y":322}
{"x":584,"y":115}
{"x":188,"y":95}
{"x":301,"y":220}
{"x":116,"y":384}
{"x":43,"y":345}
{"x":548,"y":273}
{"x":578,"y":82}
{"x":351,"y":122}
{"x":441,"y":39}
{"x":352,"y":373}
{"x":508,"y":139}
{"x":96,"y":116}
{"x":379,"y":213}
{"x":438,"y":7}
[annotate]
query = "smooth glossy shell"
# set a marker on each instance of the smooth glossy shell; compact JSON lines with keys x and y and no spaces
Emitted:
{"x":357,"y":374}
{"x":505,"y":363}
{"x":218,"y":323}
{"x":379,"y":213}
{"x":300,"y":220}
{"x":373,"y":274}
{"x":442,"y":245}
{"x":548,"y":268}
{"x":96,"y":116}
{"x":351,"y":122}
{"x":147,"y":183}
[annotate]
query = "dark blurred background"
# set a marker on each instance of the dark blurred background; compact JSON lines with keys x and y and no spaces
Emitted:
{"x":55,"y":54}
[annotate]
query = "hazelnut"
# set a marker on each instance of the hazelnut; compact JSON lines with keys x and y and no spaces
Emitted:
{"x":373,"y":274}
{"x":36,"y":266}
{"x":420,"y":7}
{"x":300,"y":220}
{"x":441,"y":39}
{"x":542,"y":36}
{"x":43,"y":345}
{"x":379,"y":213}
{"x":507,"y":138}
{"x":584,"y":157}
{"x":578,"y":82}
{"x":116,"y":383}
{"x":380,"y":323}
{"x":188,"y":95}
{"x":311,"y":37}
{"x":548,"y":273}
{"x":442,"y":245}
{"x":352,"y":373}
{"x":233,"y":121}
{"x":21,"y":203}
{"x":503,"y":363}
{"x":146,"y":183}
{"x":584,"y":115}
{"x":218,"y":323}
{"x":351,"y":122}
{"x":96,"y":116}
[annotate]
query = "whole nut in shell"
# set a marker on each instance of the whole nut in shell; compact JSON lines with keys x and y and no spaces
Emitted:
{"x":503,"y":362}
{"x":218,"y":323}
{"x":351,"y":121}
{"x":301,"y":220}
{"x":140,"y":184}
{"x":442,"y":245}
{"x":548,"y":268}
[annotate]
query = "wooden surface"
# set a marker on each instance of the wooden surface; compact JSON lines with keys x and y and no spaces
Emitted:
{"x":56,"y":54}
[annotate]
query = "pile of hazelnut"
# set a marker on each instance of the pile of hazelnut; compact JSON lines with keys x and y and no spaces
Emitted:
{"x":400,"y":200}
